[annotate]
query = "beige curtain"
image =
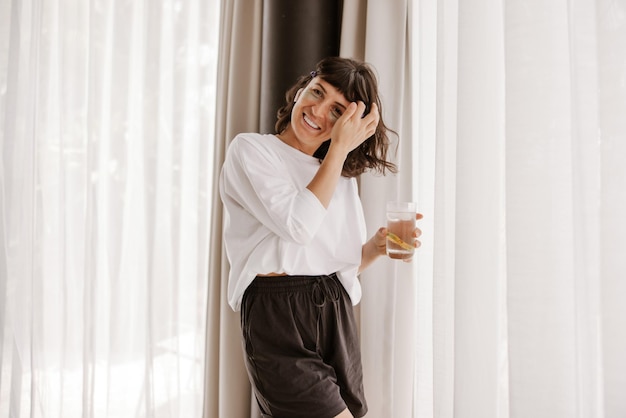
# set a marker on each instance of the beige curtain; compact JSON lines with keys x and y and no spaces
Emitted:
{"x":228,"y":392}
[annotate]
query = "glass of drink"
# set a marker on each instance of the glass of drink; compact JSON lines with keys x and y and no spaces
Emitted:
{"x":400,"y":227}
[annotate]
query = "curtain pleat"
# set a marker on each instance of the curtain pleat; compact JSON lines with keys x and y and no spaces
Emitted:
{"x":227,"y":389}
{"x":480,"y":339}
{"x":610,"y":19}
{"x":387,"y":310}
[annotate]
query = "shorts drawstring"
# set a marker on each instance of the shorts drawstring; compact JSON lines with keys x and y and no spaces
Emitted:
{"x":325,"y":288}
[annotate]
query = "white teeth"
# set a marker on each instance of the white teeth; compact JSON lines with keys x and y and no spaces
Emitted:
{"x":310,"y":122}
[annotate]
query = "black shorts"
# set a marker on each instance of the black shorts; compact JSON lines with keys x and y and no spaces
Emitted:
{"x":301,"y":347}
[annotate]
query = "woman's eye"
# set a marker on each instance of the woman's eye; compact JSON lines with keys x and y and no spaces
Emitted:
{"x":317,"y":92}
{"x":336,"y":112}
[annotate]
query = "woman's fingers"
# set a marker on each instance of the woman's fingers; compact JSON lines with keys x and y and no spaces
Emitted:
{"x":352,"y":128}
{"x":417,"y":232}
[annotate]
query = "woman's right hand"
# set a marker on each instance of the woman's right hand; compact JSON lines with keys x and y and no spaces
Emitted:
{"x":348,"y":132}
{"x":351,"y":130}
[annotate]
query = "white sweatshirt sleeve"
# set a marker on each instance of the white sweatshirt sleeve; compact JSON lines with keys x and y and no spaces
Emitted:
{"x":255,"y":179}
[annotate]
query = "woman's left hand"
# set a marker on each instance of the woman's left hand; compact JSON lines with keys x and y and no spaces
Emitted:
{"x":377,"y":245}
{"x":380,"y":238}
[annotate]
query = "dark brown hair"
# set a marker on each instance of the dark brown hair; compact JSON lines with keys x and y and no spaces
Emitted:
{"x":356,"y":81}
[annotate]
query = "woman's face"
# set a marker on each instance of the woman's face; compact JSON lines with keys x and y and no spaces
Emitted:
{"x":317,"y":108}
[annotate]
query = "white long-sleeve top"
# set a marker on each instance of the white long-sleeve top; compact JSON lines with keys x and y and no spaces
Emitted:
{"x":273,"y":223}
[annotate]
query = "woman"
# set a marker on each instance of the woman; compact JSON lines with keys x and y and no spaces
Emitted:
{"x":295,"y":240}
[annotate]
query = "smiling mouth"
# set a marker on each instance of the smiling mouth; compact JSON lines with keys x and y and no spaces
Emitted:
{"x":310,"y":122}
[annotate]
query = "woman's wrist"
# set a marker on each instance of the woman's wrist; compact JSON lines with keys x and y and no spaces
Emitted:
{"x":337,"y":152}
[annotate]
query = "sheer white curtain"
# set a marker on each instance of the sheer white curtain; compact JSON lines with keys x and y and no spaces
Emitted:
{"x":535,"y":101}
{"x":513,"y":115}
{"x":106,"y":124}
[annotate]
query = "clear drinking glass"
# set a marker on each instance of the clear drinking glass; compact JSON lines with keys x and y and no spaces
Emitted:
{"x":400,"y":227}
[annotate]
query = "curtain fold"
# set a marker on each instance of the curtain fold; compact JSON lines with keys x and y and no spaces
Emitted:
{"x":388,"y":312}
{"x":480,"y":355}
{"x":610,"y":18}
{"x":227,"y":388}
{"x":104,"y":210}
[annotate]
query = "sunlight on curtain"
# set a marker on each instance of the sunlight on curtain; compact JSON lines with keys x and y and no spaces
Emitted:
{"x":422,"y":17}
{"x":106,"y":126}
{"x":530,"y":179}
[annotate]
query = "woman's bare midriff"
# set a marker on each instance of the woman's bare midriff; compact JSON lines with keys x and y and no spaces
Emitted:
{"x":272,"y":274}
